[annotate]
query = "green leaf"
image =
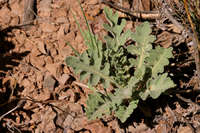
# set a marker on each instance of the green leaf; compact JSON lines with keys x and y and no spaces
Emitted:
{"x":87,"y":69}
{"x":143,"y":41}
{"x":118,"y":38}
{"x":112,"y":18}
{"x":142,"y":36}
{"x":134,"y":50}
{"x":96,"y":106}
{"x":159,"y":58}
{"x":157,"y":86}
{"x":124,"y":112}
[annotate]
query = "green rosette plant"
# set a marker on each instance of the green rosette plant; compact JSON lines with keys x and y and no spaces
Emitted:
{"x":136,"y":71}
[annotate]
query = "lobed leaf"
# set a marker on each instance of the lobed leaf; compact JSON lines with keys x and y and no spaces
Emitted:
{"x":157,"y":86}
{"x":124,"y":112}
{"x":118,"y":38}
{"x":95,"y":72}
{"x":97,"y":107}
{"x":142,"y":36}
{"x":158,"y":58}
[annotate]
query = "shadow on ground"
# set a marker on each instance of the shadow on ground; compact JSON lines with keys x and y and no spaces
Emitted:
{"x":8,"y":60}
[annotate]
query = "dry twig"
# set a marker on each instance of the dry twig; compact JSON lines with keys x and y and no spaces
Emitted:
{"x":19,"y":105}
{"x":137,"y":14}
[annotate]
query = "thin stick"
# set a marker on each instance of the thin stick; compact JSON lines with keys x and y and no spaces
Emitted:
{"x":18,"y":106}
{"x":172,"y":19}
{"x":137,"y":14}
{"x":81,"y":84}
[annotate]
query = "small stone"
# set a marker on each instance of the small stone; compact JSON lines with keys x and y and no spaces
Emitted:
{"x":45,"y":8}
{"x":48,"y":28}
{"x":185,"y":129}
{"x":37,"y":61}
{"x":14,"y":21}
{"x":41,"y":47}
{"x":61,"y":20}
{"x":5,"y":15}
{"x":61,"y":12}
{"x":16,"y":8}
{"x":54,"y":69}
{"x":49,"y":82}
{"x":48,"y":60}
{"x":66,"y":51}
{"x":45,"y":13}
{"x":63,"y":79}
{"x":61,"y":32}
{"x":53,"y":52}
{"x":26,"y":83}
{"x":68,"y":121}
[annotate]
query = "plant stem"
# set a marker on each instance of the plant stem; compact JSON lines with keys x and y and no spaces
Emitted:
{"x":195,"y":41}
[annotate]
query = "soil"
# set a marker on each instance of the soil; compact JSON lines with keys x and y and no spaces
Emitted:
{"x":40,"y":93}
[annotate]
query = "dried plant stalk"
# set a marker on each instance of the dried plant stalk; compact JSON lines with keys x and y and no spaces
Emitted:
{"x":195,"y":41}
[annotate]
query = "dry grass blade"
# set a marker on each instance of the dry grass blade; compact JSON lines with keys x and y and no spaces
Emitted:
{"x":195,"y":41}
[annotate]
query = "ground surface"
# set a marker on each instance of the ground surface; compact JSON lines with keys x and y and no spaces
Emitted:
{"x":51,"y":99}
